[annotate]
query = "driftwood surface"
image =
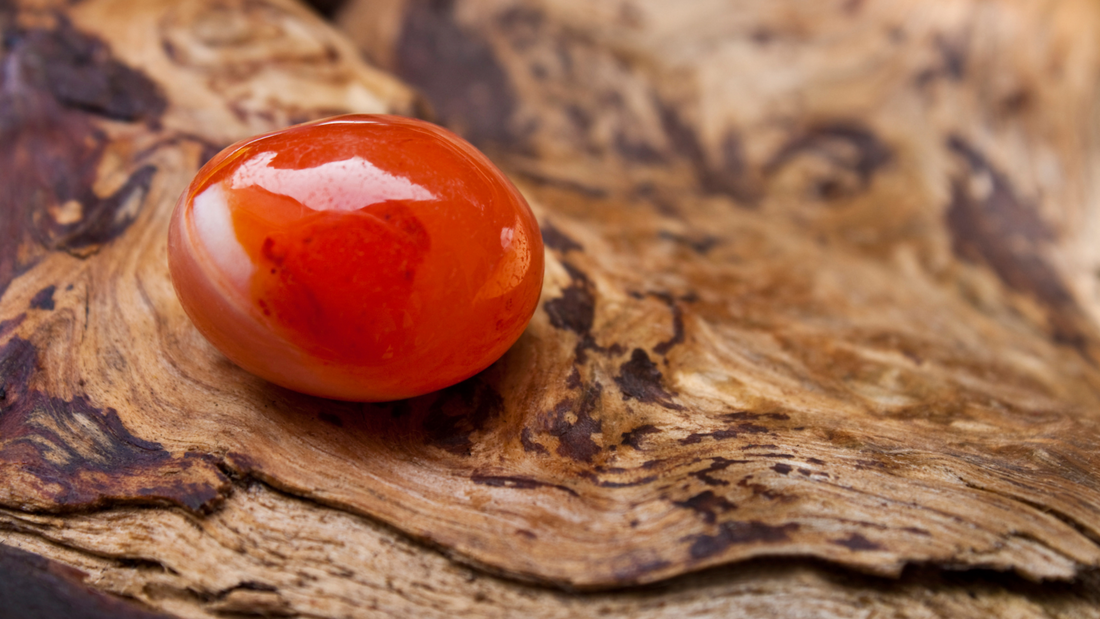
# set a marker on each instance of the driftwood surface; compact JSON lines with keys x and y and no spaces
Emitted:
{"x":819,"y":334}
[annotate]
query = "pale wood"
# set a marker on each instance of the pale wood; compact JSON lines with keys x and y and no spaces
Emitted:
{"x":268,"y":552}
{"x":821,"y":285}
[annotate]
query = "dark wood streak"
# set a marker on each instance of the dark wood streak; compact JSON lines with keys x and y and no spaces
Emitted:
{"x":557,"y":240}
{"x":54,"y":83}
{"x":459,"y":412}
{"x":707,"y":504}
{"x":63,"y":455}
{"x":327,"y":8}
{"x":34,"y":587}
{"x":718,"y":463}
{"x":636,"y":437}
{"x":530,"y":445}
{"x":731,"y":175}
{"x":639,"y":379}
{"x":521,"y":483}
{"x":457,"y":71}
{"x":700,"y":244}
{"x":10,"y":325}
{"x":1005,"y":233}
{"x":575,"y":437}
{"x":575,"y":310}
{"x":678,"y":334}
{"x":857,"y":543}
{"x":867,"y":155}
{"x":43,"y":299}
{"x":736,"y":533}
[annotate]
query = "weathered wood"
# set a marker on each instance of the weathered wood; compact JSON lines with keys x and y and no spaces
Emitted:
{"x":821,"y":285}
{"x":850,"y":251}
{"x":266,"y":552}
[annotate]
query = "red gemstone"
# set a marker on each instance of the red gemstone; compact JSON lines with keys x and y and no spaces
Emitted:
{"x":359,"y":257}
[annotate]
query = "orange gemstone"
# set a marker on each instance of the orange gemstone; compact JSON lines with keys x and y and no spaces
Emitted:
{"x":360,"y":257}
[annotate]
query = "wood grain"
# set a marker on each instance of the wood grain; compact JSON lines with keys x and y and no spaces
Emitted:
{"x":267,"y":553}
{"x":820,"y":291}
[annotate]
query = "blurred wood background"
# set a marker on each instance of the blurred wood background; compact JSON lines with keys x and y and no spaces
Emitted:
{"x":819,"y":335}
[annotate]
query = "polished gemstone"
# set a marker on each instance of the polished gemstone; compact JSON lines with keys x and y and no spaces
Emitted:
{"x":359,"y":257}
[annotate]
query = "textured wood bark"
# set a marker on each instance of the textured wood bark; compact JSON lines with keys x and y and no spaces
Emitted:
{"x":821,"y":285}
{"x":841,"y":259}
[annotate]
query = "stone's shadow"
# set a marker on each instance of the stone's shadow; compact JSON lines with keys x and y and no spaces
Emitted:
{"x":451,"y":420}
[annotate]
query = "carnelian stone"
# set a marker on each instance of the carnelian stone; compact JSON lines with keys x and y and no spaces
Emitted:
{"x":360,"y":257}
